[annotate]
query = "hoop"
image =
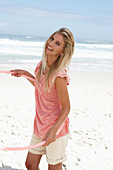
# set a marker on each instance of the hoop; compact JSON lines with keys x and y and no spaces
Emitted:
{"x":25,"y":147}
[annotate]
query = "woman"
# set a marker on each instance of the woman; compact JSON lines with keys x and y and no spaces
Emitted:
{"x":52,"y":101}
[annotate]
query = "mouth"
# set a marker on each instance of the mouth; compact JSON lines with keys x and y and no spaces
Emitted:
{"x":49,"y":48}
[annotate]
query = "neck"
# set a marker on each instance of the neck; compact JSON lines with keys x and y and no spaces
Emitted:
{"x":51,"y":60}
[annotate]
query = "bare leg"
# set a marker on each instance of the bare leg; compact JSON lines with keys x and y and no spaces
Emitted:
{"x":32,"y":161}
{"x":55,"y":167}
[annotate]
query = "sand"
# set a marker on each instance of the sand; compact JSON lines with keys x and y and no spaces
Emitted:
{"x":90,"y":144}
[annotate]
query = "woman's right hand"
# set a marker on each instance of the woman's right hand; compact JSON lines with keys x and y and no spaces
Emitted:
{"x":18,"y":72}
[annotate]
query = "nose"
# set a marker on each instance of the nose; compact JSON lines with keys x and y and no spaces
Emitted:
{"x":51,"y":43}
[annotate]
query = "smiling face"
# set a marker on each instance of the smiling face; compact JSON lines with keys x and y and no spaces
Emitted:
{"x":54,"y":46}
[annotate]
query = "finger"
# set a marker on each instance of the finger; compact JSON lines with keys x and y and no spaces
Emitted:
{"x":46,"y":143}
{"x":15,"y":74}
{"x":12,"y":74}
{"x":44,"y":138}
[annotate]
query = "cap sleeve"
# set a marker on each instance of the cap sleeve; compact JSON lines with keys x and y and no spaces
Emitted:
{"x":63,"y":74}
{"x":37,"y":67}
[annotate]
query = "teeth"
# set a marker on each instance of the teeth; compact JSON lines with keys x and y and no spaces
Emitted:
{"x":49,"y":48}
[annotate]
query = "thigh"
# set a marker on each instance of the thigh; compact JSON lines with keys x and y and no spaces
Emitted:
{"x":32,"y":160}
{"x":38,"y":150}
{"x":55,"y":152}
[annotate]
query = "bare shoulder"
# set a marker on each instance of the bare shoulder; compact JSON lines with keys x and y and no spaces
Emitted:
{"x":61,"y":87}
{"x":60,"y":82}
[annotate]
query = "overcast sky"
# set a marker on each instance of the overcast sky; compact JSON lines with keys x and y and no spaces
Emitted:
{"x":89,"y":20}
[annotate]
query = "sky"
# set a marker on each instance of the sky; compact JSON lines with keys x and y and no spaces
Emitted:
{"x":88,"y":20}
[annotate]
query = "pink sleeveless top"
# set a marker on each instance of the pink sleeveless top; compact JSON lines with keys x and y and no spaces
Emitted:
{"x":48,"y":106}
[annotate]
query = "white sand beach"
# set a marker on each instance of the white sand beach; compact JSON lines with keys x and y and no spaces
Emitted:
{"x":91,"y":121}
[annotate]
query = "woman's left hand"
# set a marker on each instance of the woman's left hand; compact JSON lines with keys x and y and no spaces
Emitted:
{"x":49,"y":137}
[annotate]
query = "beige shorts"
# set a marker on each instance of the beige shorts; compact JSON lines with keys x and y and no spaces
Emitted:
{"x":55,"y":151}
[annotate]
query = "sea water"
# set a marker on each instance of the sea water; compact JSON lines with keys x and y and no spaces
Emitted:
{"x":26,"y":51}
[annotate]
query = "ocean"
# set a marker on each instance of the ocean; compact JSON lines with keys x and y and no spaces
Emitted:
{"x":26,"y":51}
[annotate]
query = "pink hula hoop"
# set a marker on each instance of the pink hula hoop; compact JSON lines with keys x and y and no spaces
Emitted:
{"x":25,"y":147}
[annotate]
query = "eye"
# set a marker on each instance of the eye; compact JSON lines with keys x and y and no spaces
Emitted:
{"x":58,"y":43}
{"x":52,"y":38}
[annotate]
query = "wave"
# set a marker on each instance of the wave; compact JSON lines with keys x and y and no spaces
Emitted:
{"x":16,"y":47}
{"x":93,"y":53}
{"x":102,"y":47}
{"x":27,"y":51}
{"x":10,"y":42}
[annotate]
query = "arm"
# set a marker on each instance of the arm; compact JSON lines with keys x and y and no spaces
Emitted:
{"x":18,"y":73}
{"x":61,"y":86}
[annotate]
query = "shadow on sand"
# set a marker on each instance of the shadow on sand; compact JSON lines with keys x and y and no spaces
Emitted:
{"x":8,"y":168}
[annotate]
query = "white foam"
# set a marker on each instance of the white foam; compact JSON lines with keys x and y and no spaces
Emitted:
{"x":87,"y":56}
{"x":95,"y":46}
{"x":9,"y":42}
{"x":16,"y":47}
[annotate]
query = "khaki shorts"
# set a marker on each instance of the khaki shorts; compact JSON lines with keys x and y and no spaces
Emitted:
{"x":55,"y":151}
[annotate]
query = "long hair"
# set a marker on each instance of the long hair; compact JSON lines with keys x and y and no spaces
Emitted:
{"x":62,"y":62}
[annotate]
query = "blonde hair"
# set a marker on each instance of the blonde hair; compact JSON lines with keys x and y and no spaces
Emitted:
{"x":62,"y":62}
